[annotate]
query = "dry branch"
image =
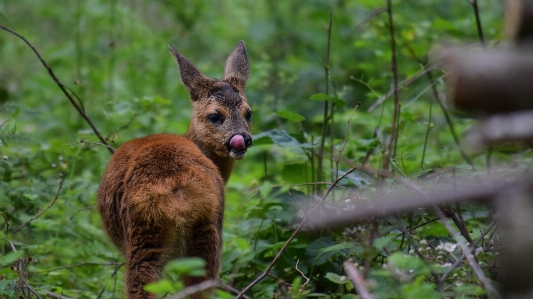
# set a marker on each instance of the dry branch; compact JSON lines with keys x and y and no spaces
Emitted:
{"x":519,"y":20}
{"x":502,"y":127}
{"x":357,"y":280}
{"x":409,"y":202}
{"x":490,"y":81}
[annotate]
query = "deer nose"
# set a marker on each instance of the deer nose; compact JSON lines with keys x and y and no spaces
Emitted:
{"x":247,"y":140}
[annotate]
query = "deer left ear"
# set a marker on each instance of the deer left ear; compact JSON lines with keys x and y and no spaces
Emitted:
{"x":237,"y":67}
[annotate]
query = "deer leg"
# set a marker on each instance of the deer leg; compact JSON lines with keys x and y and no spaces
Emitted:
{"x":146,"y":255}
{"x":206,"y":243}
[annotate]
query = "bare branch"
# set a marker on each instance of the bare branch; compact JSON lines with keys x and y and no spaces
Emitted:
{"x":59,"y":296}
{"x":409,"y":202}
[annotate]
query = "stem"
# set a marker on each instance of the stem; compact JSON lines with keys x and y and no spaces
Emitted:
{"x":478,"y":21}
{"x":326,"y":108}
{"x":427,"y":135}
{"x":395,"y":86}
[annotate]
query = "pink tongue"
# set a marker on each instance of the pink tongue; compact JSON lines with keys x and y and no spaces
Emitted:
{"x":237,"y":143}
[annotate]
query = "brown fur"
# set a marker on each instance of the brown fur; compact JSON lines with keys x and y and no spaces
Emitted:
{"x":162,"y":196}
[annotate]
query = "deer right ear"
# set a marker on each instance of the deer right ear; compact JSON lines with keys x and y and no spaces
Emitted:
{"x":237,"y":67}
{"x":191,"y":77}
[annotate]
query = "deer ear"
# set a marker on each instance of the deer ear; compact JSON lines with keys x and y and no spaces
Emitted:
{"x":191,"y":77}
{"x":237,"y":68}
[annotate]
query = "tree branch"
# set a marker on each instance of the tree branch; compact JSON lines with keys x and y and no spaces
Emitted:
{"x":357,"y":280}
{"x":64,"y":89}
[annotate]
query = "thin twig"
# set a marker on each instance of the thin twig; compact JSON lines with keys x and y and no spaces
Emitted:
{"x":303,"y":275}
{"x":478,"y":21}
{"x":7,"y":222}
{"x":59,"y":296}
{"x":96,"y":143}
{"x":326,"y":107}
{"x":64,"y":89}
{"x":402,"y":84}
{"x":373,"y":14}
{"x":394,"y":68}
{"x":42,"y":212}
{"x":300,"y":226}
{"x":80,"y":265}
{"x":358,"y":280}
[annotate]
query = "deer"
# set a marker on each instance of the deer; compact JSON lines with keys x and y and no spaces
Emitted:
{"x":162,"y":196}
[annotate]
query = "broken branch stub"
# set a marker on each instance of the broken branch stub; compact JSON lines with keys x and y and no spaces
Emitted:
{"x":490,"y":81}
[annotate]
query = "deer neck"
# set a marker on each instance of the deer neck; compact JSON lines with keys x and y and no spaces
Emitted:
{"x":225,"y":165}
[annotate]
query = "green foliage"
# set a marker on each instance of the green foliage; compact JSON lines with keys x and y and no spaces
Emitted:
{"x":177,"y":270}
{"x":113,"y":55}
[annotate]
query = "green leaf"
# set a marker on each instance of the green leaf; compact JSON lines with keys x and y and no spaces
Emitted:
{"x":294,"y":117}
{"x":7,"y":287}
{"x":359,"y":179}
{"x":163,"y":286}
{"x":12,"y":127}
{"x":295,"y":173}
{"x":278,"y":137}
{"x":265,"y":189}
{"x":324,"y":97}
{"x":187,"y":266}
{"x":343,"y":280}
{"x":420,"y":288}
{"x":408,"y":263}
{"x":382,"y":241}
{"x":16,"y":112}
{"x":10,"y":258}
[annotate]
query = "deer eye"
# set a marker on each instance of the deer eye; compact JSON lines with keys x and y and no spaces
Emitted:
{"x":248,"y":116}
{"x":215,"y":118}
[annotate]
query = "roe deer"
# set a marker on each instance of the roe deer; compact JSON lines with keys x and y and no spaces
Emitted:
{"x":162,"y":196}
